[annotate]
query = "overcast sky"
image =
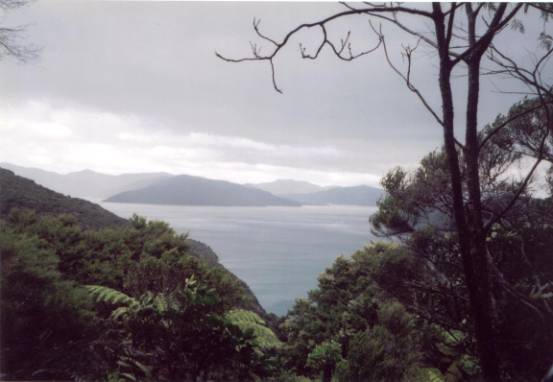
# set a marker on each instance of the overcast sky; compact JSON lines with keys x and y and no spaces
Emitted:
{"x":136,"y":86}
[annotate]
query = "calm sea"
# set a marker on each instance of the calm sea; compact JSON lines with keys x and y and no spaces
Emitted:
{"x":277,"y":251}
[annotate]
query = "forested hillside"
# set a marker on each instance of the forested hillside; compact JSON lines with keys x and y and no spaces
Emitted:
{"x":19,"y":192}
{"x":125,"y":300}
{"x":119,"y":303}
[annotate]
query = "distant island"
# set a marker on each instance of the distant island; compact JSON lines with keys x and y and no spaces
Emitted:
{"x":192,"y":190}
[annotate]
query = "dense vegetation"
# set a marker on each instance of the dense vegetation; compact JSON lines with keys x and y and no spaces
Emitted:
{"x":131,"y":303}
{"x":125,"y":302}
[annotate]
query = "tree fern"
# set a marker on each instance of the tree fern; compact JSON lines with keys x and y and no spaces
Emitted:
{"x":110,"y":296}
{"x":247,"y":320}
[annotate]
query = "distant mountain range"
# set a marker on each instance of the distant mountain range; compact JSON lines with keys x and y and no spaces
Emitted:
{"x":193,"y":190}
{"x":164,"y":188}
{"x":86,"y":184}
{"x":287,"y":186}
{"x":356,"y":195}
{"x":312,"y":194}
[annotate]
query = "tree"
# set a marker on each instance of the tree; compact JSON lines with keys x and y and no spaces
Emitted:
{"x":459,"y":39}
{"x":418,"y":210}
{"x":353,"y":325}
{"x":324,"y":357}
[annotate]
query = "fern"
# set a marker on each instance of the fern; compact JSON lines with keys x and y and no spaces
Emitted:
{"x":110,"y":296}
{"x":430,"y":375}
{"x":247,"y":320}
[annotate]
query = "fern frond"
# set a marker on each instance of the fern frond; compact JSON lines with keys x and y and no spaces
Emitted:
{"x":247,"y":320}
{"x":120,"y":312}
{"x":111,"y":296}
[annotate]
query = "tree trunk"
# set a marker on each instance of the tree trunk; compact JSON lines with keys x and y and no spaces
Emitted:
{"x":482,"y":306}
{"x":327,"y":374}
{"x":471,"y":241}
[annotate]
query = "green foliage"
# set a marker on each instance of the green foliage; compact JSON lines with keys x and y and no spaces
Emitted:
{"x":325,"y":357}
{"x":45,"y":320}
{"x":119,"y":303}
{"x":176,"y":336}
{"x":355,"y":323}
{"x":428,"y":375}
{"x":418,"y":212}
{"x":248,"y":321}
{"x":110,"y":296}
{"x":388,"y":351}
{"x":328,"y":352}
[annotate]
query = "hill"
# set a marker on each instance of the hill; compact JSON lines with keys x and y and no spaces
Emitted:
{"x":191,"y":190}
{"x":356,"y":195}
{"x":287,"y":186}
{"x":86,"y":183}
{"x":19,"y":192}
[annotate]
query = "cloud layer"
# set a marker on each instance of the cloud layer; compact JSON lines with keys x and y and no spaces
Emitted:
{"x":135,"y":86}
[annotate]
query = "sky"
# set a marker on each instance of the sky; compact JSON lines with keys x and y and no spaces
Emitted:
{"x":122,"y":87}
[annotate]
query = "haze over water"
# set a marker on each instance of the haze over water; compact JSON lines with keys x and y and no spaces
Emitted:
{"x":278,"y":251}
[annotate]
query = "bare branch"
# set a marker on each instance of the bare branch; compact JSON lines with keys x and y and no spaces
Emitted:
{"x":257,"y":56}
{"x":338,"y":51}
{"x":256,"y":23}
{"x":404,"y":77}
{"x":497,"y":23}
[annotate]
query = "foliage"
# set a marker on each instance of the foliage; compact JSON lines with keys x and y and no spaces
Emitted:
{"x":177,"y":336}
{"x":350,"y":322}
{"x":325,"y":356}
{"x":264,"y":338}
{"x":120,"y":303}
{"x":417,"y":210}
{"x":44,"y":321}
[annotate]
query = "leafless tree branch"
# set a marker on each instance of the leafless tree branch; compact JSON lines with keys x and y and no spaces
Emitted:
{"x":338,"y":51}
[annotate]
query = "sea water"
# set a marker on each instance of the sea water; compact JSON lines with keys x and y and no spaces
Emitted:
{"x":278,"y":251}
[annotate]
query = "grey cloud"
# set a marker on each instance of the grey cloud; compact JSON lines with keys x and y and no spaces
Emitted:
{"x":155,"y":62}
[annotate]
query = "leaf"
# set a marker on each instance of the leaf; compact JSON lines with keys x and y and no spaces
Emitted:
{"x":250,"y":321}
{"x":145,"y":369}
{"x":119,"y":312}
{"x":129,"y":376}
{"x":108,"y":295}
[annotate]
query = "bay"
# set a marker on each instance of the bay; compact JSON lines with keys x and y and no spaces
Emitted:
{"x":278,"y":251}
